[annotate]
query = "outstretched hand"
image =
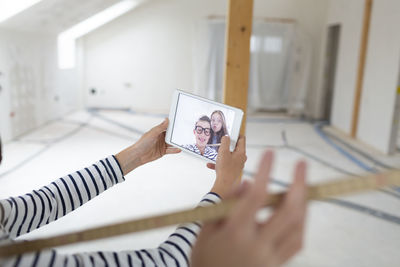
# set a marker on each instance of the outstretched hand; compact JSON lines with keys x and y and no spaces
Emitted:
{"x":240,"y":240}
{"x":151,"y":146}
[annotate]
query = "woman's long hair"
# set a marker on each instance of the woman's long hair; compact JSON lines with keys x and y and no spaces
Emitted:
{"x":221,"y":132}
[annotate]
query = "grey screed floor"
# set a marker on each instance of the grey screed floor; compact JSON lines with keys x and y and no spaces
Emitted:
{"x":357,"y":230}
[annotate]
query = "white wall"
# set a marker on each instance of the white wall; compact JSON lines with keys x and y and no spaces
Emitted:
{"x":381,"y":79}
{"x":349,"y":14}
{"x":151,"y":48}
{"x":378,"y":100}
{"x":5,"y":128}
{"x":34,"y":89}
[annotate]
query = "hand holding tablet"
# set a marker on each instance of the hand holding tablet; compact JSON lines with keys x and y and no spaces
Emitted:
{"x":197,"y":125}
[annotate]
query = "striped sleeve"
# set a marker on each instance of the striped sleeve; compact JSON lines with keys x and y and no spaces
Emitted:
{"x":192,"y":148}
{"x":178,"y":246}
{"x":20,"y":215}
{"x":211,"y":153}
{"x":175,"y":251}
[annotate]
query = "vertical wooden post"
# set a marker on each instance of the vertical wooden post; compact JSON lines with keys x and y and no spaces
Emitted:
{"x":237,"y":55}
{"x":361,"y":66}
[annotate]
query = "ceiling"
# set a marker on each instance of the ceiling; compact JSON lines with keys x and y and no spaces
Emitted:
{"x":54,"y":16}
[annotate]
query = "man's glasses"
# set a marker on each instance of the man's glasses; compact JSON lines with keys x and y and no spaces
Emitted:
{"x":200,"y":129}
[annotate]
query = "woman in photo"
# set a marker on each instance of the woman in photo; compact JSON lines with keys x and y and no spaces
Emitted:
{"x":202,"y":134}
{"x":218,"y":129}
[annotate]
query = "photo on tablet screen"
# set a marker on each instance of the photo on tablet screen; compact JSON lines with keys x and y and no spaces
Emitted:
{"x":199,"y":126}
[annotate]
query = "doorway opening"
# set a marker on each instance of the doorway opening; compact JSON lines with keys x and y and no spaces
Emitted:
{"x":395,"y":138}
{"x":332,"y":48}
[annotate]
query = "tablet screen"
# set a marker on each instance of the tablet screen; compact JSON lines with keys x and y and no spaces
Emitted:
{"x":199,"y":125}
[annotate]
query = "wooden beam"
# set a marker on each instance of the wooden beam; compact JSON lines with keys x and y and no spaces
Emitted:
{"x":237,"y":55}
{"x":361,"y":66}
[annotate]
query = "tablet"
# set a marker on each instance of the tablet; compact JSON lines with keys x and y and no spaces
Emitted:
{"x":196,"y":125}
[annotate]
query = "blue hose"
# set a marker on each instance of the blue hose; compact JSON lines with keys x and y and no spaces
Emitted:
{"x":320,"y":132}
{"x":318,"y":129}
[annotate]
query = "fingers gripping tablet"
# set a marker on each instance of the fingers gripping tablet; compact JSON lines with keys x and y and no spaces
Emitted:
{"x":197,"y":125}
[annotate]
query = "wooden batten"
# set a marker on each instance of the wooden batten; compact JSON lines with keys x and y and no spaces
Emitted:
{"x":237,"y":55}
{"x":361,"y":67}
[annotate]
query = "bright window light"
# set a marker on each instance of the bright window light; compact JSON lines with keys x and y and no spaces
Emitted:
{"x":9,"y":8}
{"x":273,"y":44}
{"x":66,"y":52}
{"x":66,"y":39}
{"x":254,"y":40}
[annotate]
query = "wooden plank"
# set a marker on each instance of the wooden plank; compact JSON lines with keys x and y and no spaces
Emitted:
{"x":237,"y":55}
{"x":342,"y":186}
{"x":361,"y":66}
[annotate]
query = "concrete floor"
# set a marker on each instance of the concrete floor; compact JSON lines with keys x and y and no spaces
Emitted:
{"x":357,"y":230}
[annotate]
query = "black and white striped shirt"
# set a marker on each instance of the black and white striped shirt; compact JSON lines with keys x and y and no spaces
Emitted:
{"x":208,"y":152}
{"x":22,"y":214}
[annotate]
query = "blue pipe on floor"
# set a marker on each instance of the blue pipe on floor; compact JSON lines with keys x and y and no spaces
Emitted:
{"x":318,"y":129}
{"x":320,"y":132}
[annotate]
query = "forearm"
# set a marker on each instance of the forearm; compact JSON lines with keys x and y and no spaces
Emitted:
{"x":180,"y":243}
{"x":223,"y":188}
{"x":129,"y":159}
{"x":25,"y":213}
{"x":175,"y":251}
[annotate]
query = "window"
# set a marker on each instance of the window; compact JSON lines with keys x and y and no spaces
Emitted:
{"x":11,"y":8}
{"x":272,"y":44}
{"x":66,"y":39}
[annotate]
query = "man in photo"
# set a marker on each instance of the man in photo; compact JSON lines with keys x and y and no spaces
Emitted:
{"x":202,"y":133}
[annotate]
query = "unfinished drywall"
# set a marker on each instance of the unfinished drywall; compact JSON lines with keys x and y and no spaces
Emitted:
{"x":349,"y":15}
{"x":34,"y":90}
{"x":147,"y":53}
{"x":376,"y":120}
